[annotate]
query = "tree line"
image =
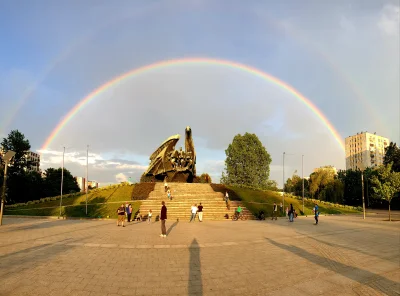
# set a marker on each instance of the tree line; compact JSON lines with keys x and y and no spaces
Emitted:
{"x":381,"y":184}
{"x":247,"y":165}
{"x":25,"y":185}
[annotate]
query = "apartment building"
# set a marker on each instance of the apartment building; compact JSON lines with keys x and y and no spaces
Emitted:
{"x":365,"y":150}
{"x":33,"y":160}
{"x":93,"y":184}
{"x":81,"y":183}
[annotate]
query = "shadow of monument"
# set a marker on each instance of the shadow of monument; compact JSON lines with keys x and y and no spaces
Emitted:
{"x":361,"y":276}
{"x":195,"y":285}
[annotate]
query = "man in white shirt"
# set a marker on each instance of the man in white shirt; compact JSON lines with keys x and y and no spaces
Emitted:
{"x":194,"y":211}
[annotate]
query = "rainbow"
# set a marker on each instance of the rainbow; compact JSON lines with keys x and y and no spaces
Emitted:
{"x":193,"y":61}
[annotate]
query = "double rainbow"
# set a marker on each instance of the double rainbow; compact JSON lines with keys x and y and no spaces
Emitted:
{"x":193,"y":61}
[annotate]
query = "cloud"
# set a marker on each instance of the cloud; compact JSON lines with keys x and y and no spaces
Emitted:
{"x":121,"y":177}
{"x":342,"y":58}
{"x":389,"y":21}
{"x":100,"y":169}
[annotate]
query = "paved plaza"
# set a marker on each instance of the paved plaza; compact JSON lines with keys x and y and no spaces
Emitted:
{"x":343,"y":255}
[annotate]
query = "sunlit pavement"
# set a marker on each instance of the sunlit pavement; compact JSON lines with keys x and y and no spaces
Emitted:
{"x":341,"y":256}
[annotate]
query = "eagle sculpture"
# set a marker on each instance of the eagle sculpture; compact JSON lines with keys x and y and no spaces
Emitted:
{"x":171,"y":163}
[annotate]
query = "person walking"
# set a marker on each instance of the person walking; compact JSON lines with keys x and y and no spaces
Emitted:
{"x":163,"y":217}
{"x":200,"y":212}
{"x":194,"y":211}
{"x":291,"y":213}
{"x":130,"y":210}
{"x":126,"y":210}
{"x":149,"y":215}
{"x":287,"y":212}
{"x":274,"y":212}
{"x":316,"y":214}
{"x":121,"y":215}
{"x":281,"y":209}
{"x":226,"y":198}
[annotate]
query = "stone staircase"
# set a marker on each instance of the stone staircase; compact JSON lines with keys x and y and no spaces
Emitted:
{"x":184,"y":195}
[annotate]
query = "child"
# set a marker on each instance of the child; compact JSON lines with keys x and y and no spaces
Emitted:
{"x":169,"y":194}
{"x":287,"y":212}
{"x":149,"y":216}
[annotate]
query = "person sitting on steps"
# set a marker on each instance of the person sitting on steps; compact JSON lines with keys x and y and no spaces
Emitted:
{"x":239,"y":211}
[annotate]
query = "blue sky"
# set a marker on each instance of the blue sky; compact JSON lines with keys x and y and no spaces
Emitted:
{"x":342,"y":55}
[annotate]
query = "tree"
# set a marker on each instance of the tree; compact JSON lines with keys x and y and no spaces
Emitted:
{"x":247,"y":162}
{"x":392,"y":155}
{"x":205,"y":178}
{"x":294,"y":185}
{"x":16,"y":142}
{"x":52,"y":182}
{"x":22,"y":185}
{"x":386,"y":184}
{"x":333,"y":192}
{"x":320,"y":179}
{"x":272,"y":185}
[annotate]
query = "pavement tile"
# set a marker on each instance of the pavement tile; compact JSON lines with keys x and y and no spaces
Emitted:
{"x":343,"y":256}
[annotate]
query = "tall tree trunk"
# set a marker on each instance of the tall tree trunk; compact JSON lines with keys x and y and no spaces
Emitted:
{"x":390,"y":218}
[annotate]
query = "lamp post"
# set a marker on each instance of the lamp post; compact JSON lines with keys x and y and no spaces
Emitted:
{"x":87,"y":180}
{"x":7,"y":158}
{"x":62,"y":181}
{"x":362,"y":189}
{"x":283,"y":186}
{"x":302,"y":177}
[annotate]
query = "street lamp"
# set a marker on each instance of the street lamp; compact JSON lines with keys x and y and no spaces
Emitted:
{"x":283,"y":186}
{"x":87,"y":180}
{"x":362,"y":189}
{"x":62,"y":181}
{"x":302,"y":177}
{"x":7,"y":158}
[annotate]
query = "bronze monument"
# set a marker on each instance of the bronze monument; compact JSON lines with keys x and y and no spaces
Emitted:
{"x":176,"y":165}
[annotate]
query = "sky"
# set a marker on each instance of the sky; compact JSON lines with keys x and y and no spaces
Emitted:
{"x":341,"y":55}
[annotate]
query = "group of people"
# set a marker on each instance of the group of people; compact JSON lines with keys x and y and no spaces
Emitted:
{"x":291,"y":212}
{"x":123,"y":211}
{"x":196,"y":210}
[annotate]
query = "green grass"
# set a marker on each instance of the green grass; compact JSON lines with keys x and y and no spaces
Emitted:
{"x":257,"y":200}
{"x":102,"y":203}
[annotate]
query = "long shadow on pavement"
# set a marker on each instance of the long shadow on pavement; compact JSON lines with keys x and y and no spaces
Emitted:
{"x":172,"y":227}
{"x":195,"y":286}
{"x":387,"y":257}
{"x":361,"y":276}
{"x":52,"y":235}
{"x":39,"y":225}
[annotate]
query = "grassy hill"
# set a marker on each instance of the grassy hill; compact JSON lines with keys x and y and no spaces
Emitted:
{"x":102,"y":203}
{"x":257,"y":200}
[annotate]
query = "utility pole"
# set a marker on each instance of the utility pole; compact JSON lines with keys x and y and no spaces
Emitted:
{"x":7,"y":158}
{"x":62,"y":181}
{"x":283,"y":186}
{"x":302,"y":177}
{"x":362,"y":189}
{"x":87,"y":180}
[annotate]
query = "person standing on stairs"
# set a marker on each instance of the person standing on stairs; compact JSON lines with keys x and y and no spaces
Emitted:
{"x":194,"y":211}
{"x":163,"y":217}
{"x":169,"y":194}
{"x":200,"y":212}
{"x":165,"y":184}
